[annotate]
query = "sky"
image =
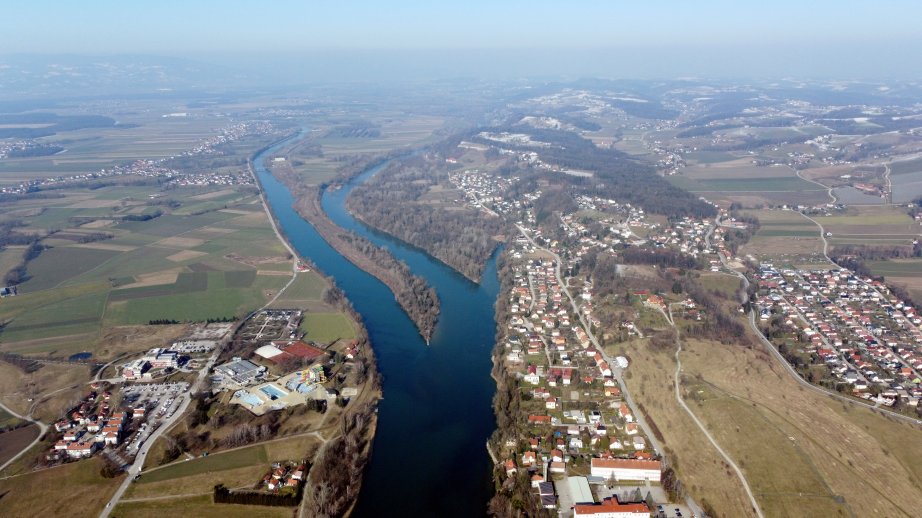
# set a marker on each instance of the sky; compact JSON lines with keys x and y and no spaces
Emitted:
{"x":636,"y":37}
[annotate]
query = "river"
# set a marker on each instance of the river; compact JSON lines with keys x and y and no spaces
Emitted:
{"x":429,"y":456}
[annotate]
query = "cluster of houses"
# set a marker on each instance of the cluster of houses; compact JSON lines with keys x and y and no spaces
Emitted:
{"x":157,"y":169}
{"x":865,"y":336}
{"x":575,"y":406}
{"x":483,"y":190}
{"x":283,"y":476}
{"x":92,"y":425}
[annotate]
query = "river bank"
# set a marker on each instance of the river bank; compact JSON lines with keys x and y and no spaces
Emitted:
{"x":414,"y":295}
{"x":428,"y":454}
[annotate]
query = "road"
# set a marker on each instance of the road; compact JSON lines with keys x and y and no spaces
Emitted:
{"x":135,"y":468}
{"x":42,"y":429}
{"x":710,"y":438}
{"x":787,"y":366}
{"x":617,"y":372}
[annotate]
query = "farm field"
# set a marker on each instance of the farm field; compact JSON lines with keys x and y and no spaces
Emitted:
{"x":176,"y":267}
{"x":871,"y":225}
{"x":327,"y":327}
{"x":78,"y":484}
{"x":784,"y":235}
{"x":12,"y":442}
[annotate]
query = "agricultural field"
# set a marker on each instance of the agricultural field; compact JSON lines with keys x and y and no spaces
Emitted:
{"x":12,"y":442}
{"x":901,"y":272}
{"x":785,"y":236}
{"x":327,"y":327}
{"x":178,"y":266}
{"x":200,"y":506}
{"x":77,"y":484}
{"x":870,"y":225}
{"x":322,"y":154}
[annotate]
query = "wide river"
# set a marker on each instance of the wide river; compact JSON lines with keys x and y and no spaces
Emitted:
{"x":429,"y":456}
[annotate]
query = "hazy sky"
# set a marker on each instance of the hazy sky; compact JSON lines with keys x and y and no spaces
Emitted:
{"x":688,"y":35}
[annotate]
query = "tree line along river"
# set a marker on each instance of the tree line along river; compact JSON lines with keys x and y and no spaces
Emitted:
{"x":429,"y":456}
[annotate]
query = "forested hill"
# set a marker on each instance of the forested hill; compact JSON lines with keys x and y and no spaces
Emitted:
{"x":616,"y":174}
{"x":401,"y":201}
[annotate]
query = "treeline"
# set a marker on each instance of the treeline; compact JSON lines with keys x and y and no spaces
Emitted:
{"x":513,"y":497}
{"x":735,"y":238}
{"x":392,"y":201}
{"x":334,"y":480}
{"x":877,"y":252}
{"x":415,"y":296}
{"x":662,"y":257}
{"x":223,"y":495}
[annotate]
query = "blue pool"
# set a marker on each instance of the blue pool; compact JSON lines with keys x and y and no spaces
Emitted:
{"x":273,"y":392}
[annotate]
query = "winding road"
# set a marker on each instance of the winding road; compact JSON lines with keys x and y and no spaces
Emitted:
{"x":42,"y":429}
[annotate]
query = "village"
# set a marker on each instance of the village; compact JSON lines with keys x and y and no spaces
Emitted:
{"x":148,"y":168}
{"x":867,"y":339}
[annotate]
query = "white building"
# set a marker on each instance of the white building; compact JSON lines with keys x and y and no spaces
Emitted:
{"x":627,"y":469}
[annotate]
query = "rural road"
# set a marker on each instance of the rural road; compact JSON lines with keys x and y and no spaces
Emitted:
{"x":710,"y":438}
{"x":787,"y":366}
{"x":617,"y":372}
{"x":42,"y":429}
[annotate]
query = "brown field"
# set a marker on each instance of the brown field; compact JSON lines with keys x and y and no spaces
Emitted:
{"x":14,"y":441}
{"x":17,"y":387}
{"x":181,"y":242}
{"x":73,"y":490}
{"x":185,"y":255}
{"x":199,"y":506}
{"x":155,"y":278}
{"x":703,"y":471}
{"x":106,"y":246}
{"x":213,"y":194}
{"x":875,"y":473}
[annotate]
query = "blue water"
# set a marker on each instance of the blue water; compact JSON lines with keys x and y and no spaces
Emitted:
{"x":273,"y":392}
{"x":429,"y":456}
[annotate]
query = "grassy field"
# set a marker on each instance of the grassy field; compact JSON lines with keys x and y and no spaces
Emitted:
{"x":722,"y":282}
{"x":871,"y":224}
{"x":242,"y":467}
{"x":785,"y":236}
{"x":200,"y":505}
{"x":327,"y":327}
{"x":77,"y":487}
{"x":802,"y":453}
{"x":176,"y":266}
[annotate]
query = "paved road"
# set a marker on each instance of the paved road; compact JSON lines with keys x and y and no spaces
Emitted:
{"x":42,"y":429}
{"x":790,"y":370}
{"x":135,"y":468}
{"x":617,"y":372}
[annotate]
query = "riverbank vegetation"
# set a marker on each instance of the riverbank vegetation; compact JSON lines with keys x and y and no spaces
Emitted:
{"x":414,"y":295}
{"x":407,"y":199}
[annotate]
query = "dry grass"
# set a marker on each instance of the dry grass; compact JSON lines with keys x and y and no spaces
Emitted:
{"x":185,"y":255}
{"x":200,"y":483}
{"x":700,"y":467}
{"x":198,"y":506}
{"x":74,"y":490}
{"x":17,"y":387}
{"x":873,"y":462}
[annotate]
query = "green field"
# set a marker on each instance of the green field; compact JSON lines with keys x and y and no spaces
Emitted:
{"x":327,"y":327}
{"x":239,"y":458}
{"x":77,"y":291}
{"x":896,"y":268}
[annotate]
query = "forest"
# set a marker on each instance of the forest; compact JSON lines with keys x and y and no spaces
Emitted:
{"x":616,"y":174}
{"x":396,"y":201}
